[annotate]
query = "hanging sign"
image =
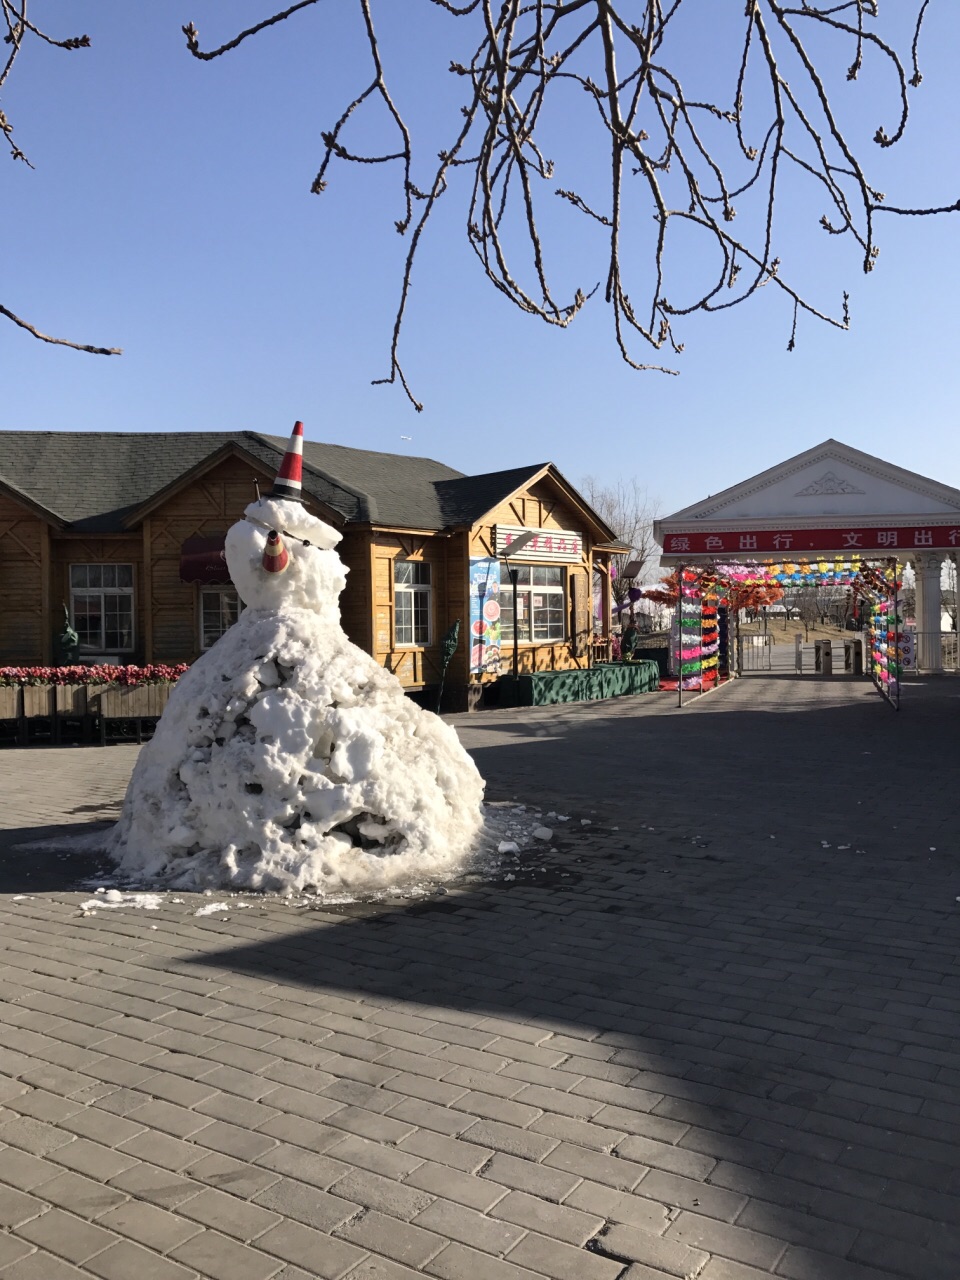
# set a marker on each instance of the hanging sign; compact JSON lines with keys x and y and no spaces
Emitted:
{"x":798,"y":542}
{"x":558,"y":546}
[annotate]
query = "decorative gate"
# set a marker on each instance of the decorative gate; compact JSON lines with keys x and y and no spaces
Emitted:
{"x":755,"y":653}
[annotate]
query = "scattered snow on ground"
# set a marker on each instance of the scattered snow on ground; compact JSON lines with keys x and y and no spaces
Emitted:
{"x":113,"y":899}
{"x":211,"y":908}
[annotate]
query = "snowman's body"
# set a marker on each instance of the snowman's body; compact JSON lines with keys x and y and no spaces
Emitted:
{"x":287,"y":757}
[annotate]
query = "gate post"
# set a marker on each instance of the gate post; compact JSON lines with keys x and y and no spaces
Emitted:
{"x":798,"y":653}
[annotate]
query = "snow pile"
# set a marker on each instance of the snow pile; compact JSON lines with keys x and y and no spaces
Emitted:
{"x":287,"y":758}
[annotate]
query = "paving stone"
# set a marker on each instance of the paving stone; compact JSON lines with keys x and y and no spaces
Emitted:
{"x":373,"y":1269}
{"x":43,"y":1106}
{"x":620,"y":1174}
{"x":232,"y":1140}
{"x":578,"y":1132}
{"x":375,"y":1156}
{"x":699,"y":1232}
{"x":17,"y":1207}
{"x":125,"y":1260}
{"x":92,"y":1159}
{"x":619,"y":1206}
{"x":24,"y":1171}
{"x":516,"y":1142}
{"x":457,"y":1222}
{"x":457,"y":1262}
{"x":525,"y":1175}
{"x":685,"y":1193}
{"x":12,"y":1250}
{"x":631,"y":1244}
{"x":307,"y":1204}
{"x":81,"y":1195}
{"x":233,"y":1176}
{"x":42,"y":1266}
{"x":458,"y":1154}
{"x":376,"y":1192}
{"x":303,"y":1166}
{"x":464,"y":1188}
{"x":66,"y":1236}
{"x":229,"y":1214}
{"x":34,"y":1136}
{"x":320,"y":1255}
{"x":217,"y":1257}
{"x":149,"y":1225}
{"x":155,"y":1185}
{"x":562,"y":1261}
{"x":397,"y":1240}
{"x":559,"y":1222}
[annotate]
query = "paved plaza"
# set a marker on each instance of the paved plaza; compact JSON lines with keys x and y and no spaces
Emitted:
{"x":715,"y":1034}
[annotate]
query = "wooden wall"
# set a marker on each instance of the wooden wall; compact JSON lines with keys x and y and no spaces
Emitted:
{"x":541,"y":507}
{"x":68,"y":549}
{"x":25,"y":619}
{"x":413,"y":667}
{"x":208,"y":506}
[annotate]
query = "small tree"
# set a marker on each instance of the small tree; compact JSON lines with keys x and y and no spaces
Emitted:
{"x":628,"y":509}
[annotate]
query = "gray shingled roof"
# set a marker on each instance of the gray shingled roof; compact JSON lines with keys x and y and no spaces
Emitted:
{"x":95,"y":481}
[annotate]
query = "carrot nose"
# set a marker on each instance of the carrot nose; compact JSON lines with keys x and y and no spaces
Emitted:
{"x":275,"y":554}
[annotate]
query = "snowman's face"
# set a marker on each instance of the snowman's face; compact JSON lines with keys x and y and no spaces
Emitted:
{"x":315,"y":574}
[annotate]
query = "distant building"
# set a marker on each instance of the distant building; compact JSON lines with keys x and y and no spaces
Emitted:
{"x":126,"y":530}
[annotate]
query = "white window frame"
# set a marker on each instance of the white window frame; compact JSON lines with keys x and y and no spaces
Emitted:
{"x":527,"y":591}
{"x":417,"y":596}
{"x":110,"y":592}
{"x":221,"y":591}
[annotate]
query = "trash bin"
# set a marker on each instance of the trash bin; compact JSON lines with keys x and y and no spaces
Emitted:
{"x":823,"y":657}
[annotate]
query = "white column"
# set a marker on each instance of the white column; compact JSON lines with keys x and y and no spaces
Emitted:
{"x":926,"y":567}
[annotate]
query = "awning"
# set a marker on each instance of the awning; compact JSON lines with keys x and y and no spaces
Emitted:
{"x":202,"y":560}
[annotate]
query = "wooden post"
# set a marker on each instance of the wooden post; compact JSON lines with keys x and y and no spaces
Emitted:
{"x":148,"y":590}
{"x":46,"y":589}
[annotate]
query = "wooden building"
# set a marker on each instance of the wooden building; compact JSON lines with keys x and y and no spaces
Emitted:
{"x":125,"y":531}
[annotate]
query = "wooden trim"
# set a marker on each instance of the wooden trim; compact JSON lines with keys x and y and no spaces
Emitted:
{"x":229,"y":450}
{"x":148,"y":590}
{"x":46,"y":614}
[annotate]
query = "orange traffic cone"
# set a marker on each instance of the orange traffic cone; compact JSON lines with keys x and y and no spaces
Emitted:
{"x":289,"y":477}
{"x":275,"y":554}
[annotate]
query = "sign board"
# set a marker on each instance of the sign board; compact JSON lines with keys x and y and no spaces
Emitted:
{"x":803,"y":544}
{"x":484,"y":616}
{"x":557,"y":546}
{"x":203,"y":560}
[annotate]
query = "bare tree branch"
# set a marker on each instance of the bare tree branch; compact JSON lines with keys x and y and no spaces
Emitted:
{"x":18,"y":26}
{"x":692,"y":156}
{"x":60,"y":342}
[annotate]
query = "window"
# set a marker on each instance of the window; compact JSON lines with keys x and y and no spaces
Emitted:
{"x":411,"y":600}
{"x":541,"y":604}
{"x":101,"y":604}
{"x":219,"y":609}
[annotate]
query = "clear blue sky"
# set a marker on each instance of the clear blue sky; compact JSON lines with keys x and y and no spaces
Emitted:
{"x":170,"y":214}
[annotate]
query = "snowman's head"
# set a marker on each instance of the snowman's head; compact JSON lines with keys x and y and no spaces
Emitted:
{"x":314,"y":574}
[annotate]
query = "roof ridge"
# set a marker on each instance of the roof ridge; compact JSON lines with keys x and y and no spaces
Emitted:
{"x":366,"y":502}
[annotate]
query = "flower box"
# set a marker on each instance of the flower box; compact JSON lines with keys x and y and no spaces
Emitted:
{"x":37,"y":700}
{"x":70,"y":699}
{"x":139,"y":702}
{"x":9,"y":703}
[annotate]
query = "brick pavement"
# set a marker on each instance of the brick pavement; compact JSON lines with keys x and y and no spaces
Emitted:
{"x":702,"y":1044}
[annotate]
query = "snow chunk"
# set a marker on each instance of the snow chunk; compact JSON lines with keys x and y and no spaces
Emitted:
{"x":211,"y":908}
{"x":113,"y":898}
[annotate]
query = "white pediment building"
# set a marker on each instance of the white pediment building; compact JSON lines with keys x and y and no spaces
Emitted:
{"x":832,"y":501}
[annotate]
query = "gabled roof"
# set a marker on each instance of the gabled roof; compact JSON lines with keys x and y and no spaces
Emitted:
{"x":106,"y":482}
{"x":832,"y":480}
{"x":97,"y":481}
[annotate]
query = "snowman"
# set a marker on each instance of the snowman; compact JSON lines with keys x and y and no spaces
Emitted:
{"x":287,"y":759}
